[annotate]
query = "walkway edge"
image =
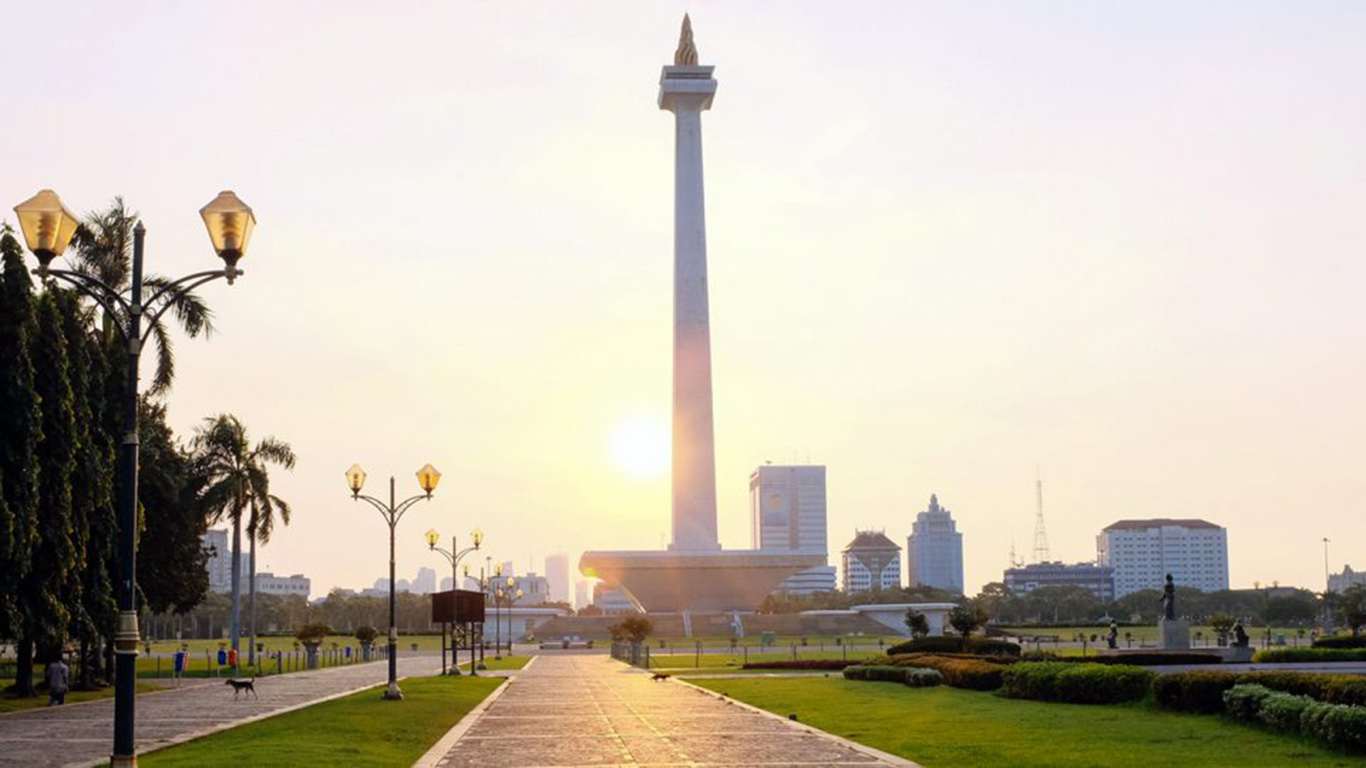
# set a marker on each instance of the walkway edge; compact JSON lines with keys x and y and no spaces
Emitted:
{"x":443,"y":745}
{"x":885,"y":757}
{"x":201,"y":733}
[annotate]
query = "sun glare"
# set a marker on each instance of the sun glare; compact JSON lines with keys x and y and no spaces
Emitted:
{"x":640,"y":447}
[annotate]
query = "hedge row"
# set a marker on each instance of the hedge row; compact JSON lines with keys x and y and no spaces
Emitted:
{"x":916,"y":677}
{"x":1310,"y":654}
{"x":1341,"y":641}
{"x":1336,"y":724}
{"x":976,"y":645}
{"x":1203,"y":691}
{"x":813,"y":664}
{"x":973,"y":674}
{"x":1133,"y":659}
{"x":1076,"y":683}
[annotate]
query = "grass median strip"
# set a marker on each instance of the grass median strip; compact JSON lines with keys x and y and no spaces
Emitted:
{"x":357,"y":730}
{"x":952,"y":728}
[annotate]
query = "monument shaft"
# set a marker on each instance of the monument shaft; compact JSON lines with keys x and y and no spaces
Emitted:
{"x":687,"y":91}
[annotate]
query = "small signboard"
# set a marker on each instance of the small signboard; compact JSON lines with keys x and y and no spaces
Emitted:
{"x":458,"y":606}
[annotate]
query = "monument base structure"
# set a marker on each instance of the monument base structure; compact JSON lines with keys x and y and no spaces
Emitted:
{"x":1173,"y":634}
{"x":676,"y":581}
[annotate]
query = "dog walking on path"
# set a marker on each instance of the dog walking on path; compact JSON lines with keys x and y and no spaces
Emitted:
{"x":238,"y":686}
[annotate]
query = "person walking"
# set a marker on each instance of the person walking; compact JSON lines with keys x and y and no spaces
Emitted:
{"x":58,"y":678}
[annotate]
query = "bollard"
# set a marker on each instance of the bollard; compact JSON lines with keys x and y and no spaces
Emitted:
{"x":697,"y":654}
{"x":794,"y":651}
{"x":746,"y":647}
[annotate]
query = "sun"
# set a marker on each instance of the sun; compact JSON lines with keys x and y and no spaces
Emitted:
{"x":639,"y":446}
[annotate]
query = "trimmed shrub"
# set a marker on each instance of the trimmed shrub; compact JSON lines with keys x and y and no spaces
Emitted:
{"x":975,"y":645}
{"x":1283,"y":711}
{"x":1335,"y":724}
{"x":970,"y":673}
{"x":1244,"y":701}
{"x":1309,"y":654}
{"x":1076,"y":683}
{"x":856,"y":672}
{"x":830,"y":665}
{"x":1201,"y":691}
{"x":920,"y":677}
{"x":885,"y":673}
{"x":1156,"y":659}
{"x":908,"y":659}
{"x":1346,"y":690}
{"x":1341,"y":641}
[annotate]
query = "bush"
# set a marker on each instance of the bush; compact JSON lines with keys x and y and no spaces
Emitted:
{"x":1201,"y":692}
{"x":1335,"y":724}
{"x":1156,"y":659}
{"x":1309,"y":654}
{"x":885,"y":673}
{"x":921,"y":677}
{"x":1282,"y":711}
{"x":908,"y":659}
{"x":312,"y":634}
{"x":856,"y":672}
{"x":974,"y":645}
{"x":1244,"y":701}
{"x":832,"y":665}
{"x":1076,"y":683}
{"x":973,"y":674}
{"x":1341,"y":641}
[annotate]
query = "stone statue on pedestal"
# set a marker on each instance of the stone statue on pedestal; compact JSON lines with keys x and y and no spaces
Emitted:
{"x":1173,"y":633}
{"x":1169,"y":599}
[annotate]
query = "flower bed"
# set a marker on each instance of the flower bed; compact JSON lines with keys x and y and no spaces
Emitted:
{"x":1076,"y":683}
{"x":832,"y":665}
{"x":974,"y":645}
{"x":971,"y":673}
{"x":916,"y":677}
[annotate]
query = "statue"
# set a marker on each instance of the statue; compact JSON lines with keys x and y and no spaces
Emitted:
{"x":686,"y":55}
{"x":1240,"y":638}
{"x":1169,"y":600}
{"x":1112,"y":639}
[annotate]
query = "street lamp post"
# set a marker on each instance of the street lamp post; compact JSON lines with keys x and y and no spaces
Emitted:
{"x":453,"y":555}
{"x":48,"y":228}
{"x":427,"y":478}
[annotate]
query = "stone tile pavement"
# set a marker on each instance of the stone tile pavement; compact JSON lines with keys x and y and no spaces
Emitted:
{"x":82,"y":734}
{"x":581,"y":710}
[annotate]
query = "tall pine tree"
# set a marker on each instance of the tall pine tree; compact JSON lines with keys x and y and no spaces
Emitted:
{"x":20,"y":420}
{"x":45,"y":591}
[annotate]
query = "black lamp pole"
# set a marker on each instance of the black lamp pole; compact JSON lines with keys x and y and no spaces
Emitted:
{"x":392,"y":513}
{"x":129,"y":326}
{"x":453,"y":555}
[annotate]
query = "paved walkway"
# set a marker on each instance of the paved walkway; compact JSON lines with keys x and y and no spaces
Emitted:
{"x":581,"y":710}
{"x":81,"y":734}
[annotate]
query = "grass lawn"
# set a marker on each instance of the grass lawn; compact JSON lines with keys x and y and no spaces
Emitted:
{"x":1144,"y":634}
{"x":286,"y":644}
{"x":358,"y":730}
{"x":952,"y":728}
{"x":507,"y":662}
{"x":11,"y":703}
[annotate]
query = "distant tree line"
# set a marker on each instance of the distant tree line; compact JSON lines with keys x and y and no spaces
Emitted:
{"x":1075,"y":605}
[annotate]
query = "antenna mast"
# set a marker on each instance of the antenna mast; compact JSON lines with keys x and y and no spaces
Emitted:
{"x":1040,"y":533}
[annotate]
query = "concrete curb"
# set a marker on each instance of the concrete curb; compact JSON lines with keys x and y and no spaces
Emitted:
{"x":886,"y":758}
{"x":201,"y":733}
{"x":443,"y":746}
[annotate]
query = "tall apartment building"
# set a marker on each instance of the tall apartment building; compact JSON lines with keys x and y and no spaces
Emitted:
{"x":1143,"y":552}
{"x":934,"y":550}
{"x":1099,"y":580}
{"x":871,"y":562}
{"x":557,"y":571}
{"x":788,"y":514}
{"x":425,"y":583}
{"x":220,"y":560}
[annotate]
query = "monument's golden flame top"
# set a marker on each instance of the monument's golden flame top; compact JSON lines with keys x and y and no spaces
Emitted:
{"x":686,"y":55}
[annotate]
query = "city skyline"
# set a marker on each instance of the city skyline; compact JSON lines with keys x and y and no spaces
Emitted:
{"x":1077,"y":265}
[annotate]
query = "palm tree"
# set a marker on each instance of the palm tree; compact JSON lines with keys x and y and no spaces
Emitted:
{"x":237,"y":484}
{"x":261,"y":524}
{"x":104,"y":250}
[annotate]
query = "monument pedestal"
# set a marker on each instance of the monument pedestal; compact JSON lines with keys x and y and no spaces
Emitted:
{"x":1173,"y":634}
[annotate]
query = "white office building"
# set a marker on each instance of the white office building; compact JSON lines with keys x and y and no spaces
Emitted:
{"x":871,"y":562}
{"x":268,"y":583}
{"x":788,"y":514}
{"x":425,"y":583}
{"x":934,"y":550}
{"x":1143,"y":552}
{"x":557,"y":571}
{"x":220,"y":560}
{"x":582,"y":597}
{"x":1339,"y":582}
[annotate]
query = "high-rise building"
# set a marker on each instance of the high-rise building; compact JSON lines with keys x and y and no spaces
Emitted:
{"x":934,"y":550}
{"x":447,"y":584}
{"x":871,"y":562}
{"x":557,"y":572}
{"x":1098,"y":579}
{"x":788,"y":514}
{"x":1339,"y":582}
{"x":220,"y":559}
{"x":1143,"y":552}
{"x":425,"y":583}
{"x":582,"y":597}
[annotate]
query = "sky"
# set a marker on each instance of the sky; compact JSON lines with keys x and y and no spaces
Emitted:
{"x":951,"y":245}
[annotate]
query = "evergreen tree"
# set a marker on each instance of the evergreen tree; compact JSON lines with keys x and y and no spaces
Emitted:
{"x":43,"y":593}
{"x":172,"y":572}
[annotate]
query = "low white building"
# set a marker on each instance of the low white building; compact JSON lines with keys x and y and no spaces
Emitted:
{"x":893,"y":615}
{"x":1143,"y":552}
{"x":268,"y":583}
{"x":1339,"y":582}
